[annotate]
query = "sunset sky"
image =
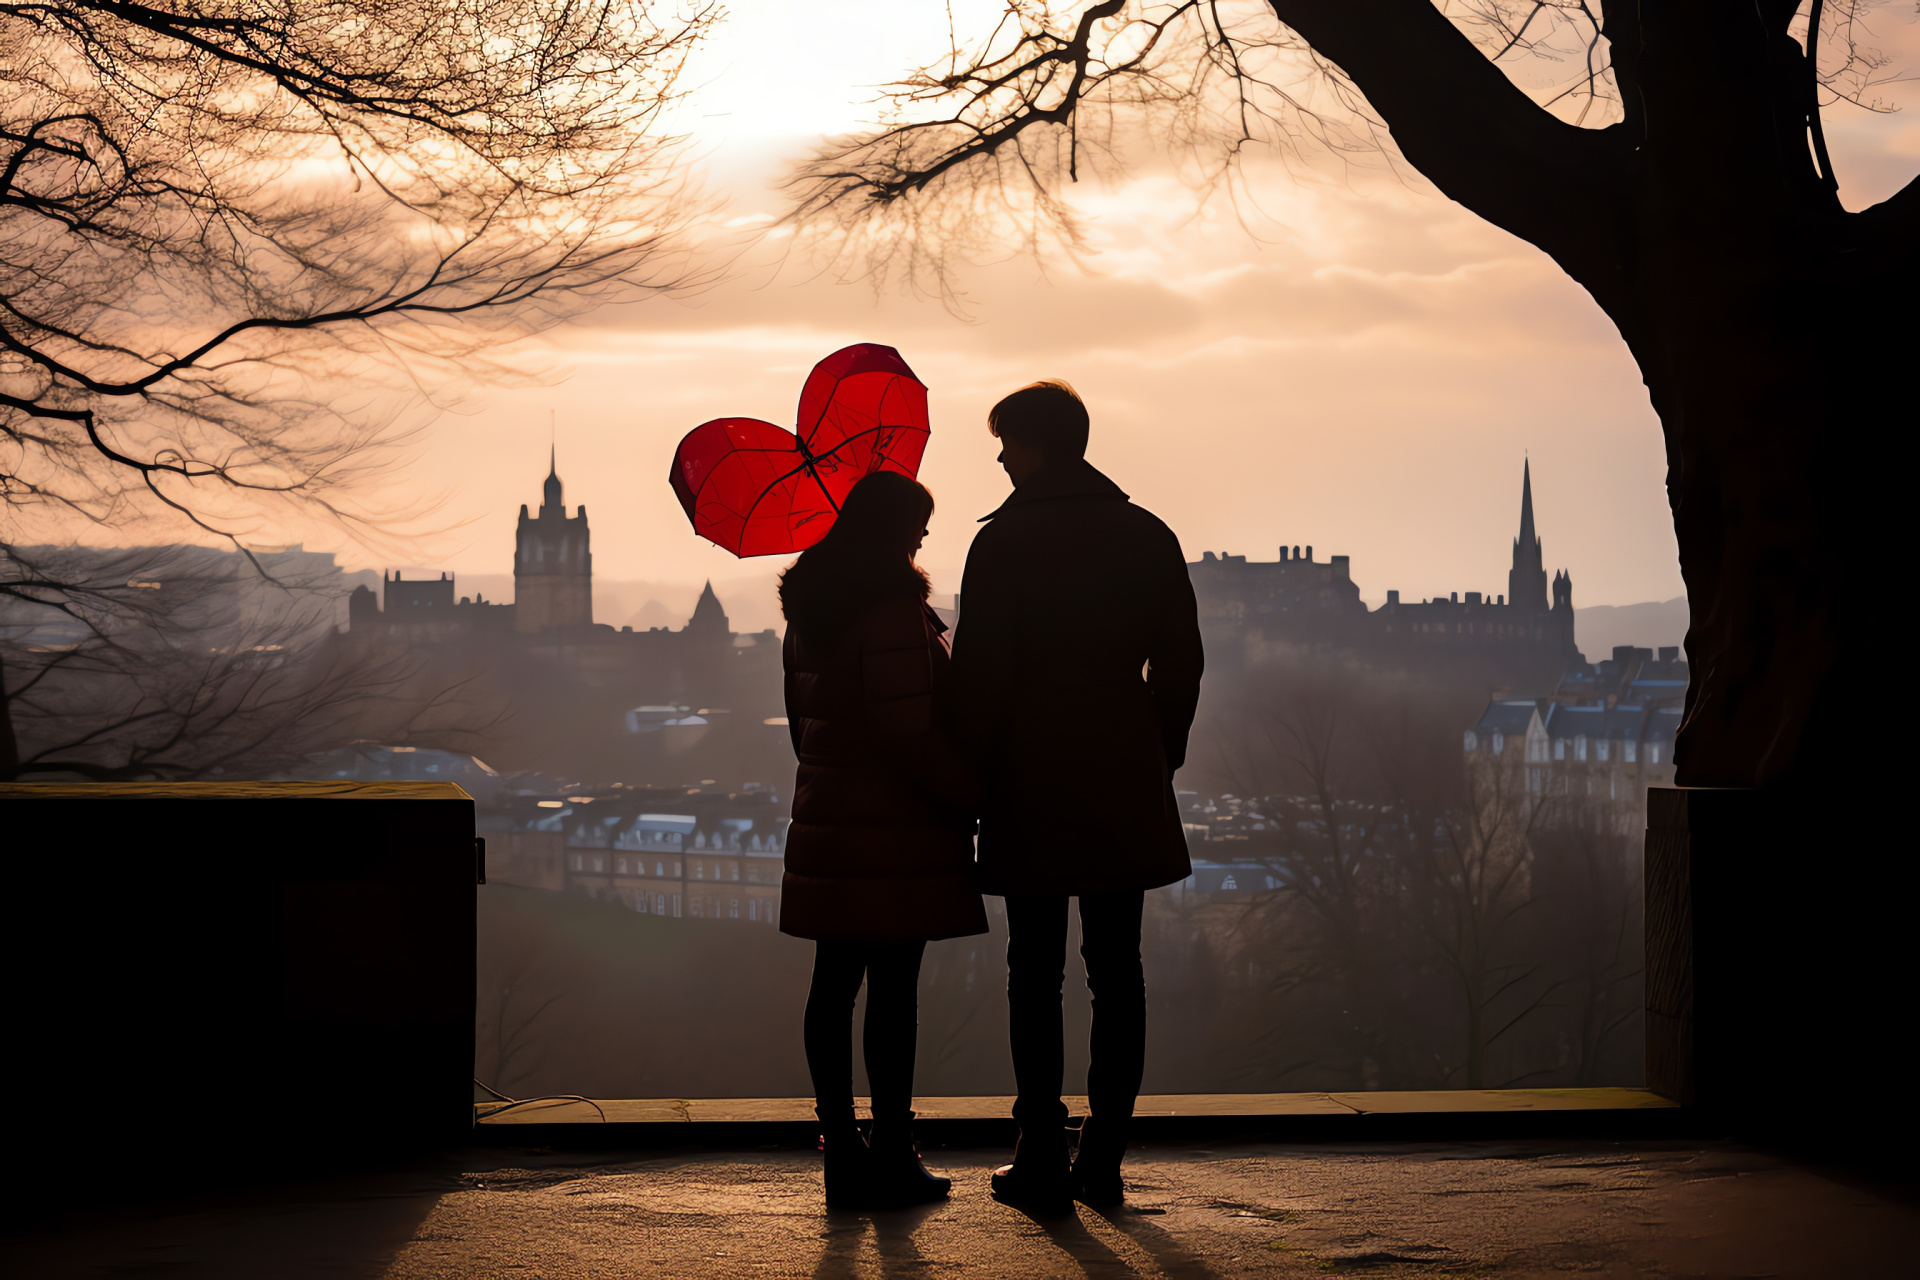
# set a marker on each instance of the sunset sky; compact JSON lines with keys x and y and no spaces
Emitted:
{"x":1362,"y":370}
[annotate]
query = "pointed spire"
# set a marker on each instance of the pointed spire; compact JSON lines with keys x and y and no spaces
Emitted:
{"x":550,"y":492}
{"x":1527,"y":580}
{"x":708,"y":615}
{"x":1527,"y":535}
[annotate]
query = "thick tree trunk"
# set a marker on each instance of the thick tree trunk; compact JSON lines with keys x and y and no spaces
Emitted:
{"x":1747,"y":295}
{"x":1776,"y":508}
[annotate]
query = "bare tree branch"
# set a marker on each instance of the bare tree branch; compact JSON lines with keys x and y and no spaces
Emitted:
{"x":241,"y":238}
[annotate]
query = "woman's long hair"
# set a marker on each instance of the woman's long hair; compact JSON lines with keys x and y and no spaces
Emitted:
{"x":862,"y":559}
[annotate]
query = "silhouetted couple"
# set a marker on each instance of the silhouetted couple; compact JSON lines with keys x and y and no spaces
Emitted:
{"x":1055,"y":724}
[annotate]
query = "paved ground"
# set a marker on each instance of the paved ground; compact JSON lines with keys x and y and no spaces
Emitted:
{"x":1455,"y":1209}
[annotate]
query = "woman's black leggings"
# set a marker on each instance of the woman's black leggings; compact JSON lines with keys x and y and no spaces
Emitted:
{"x":892,"y":974}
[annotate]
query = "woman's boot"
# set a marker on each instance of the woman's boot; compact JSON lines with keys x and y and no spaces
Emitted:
{"x":898,"y":1177}
{"x":848,"y":1163}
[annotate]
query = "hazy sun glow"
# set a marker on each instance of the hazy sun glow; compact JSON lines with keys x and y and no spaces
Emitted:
{"x":1361,"y":367}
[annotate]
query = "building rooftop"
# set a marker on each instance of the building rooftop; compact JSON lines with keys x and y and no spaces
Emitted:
{"x":1509,"y":716}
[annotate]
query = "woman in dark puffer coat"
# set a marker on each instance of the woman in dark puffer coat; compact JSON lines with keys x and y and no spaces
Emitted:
{"x":880,"y":854}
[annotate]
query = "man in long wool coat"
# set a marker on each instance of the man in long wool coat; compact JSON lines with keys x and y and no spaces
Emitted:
{"x":1078,"y":663}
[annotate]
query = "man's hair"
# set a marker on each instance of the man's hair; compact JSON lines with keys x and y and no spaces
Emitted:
{"x":1047,"y":415}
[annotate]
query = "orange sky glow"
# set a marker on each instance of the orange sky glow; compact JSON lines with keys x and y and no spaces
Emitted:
{"x":1361,"y":367}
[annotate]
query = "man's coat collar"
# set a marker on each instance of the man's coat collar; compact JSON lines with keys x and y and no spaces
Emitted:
{"x":1076,"y":479}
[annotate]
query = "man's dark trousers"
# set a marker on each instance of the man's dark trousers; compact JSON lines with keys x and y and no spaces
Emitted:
{"x":1036,"y":972}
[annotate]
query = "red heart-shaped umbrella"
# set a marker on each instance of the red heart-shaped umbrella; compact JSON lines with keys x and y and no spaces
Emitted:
{"x":760,"y":490}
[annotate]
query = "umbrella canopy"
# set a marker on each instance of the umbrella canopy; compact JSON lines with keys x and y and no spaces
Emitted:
{"x":761,"y":490}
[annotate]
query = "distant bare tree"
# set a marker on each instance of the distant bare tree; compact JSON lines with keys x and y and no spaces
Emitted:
{"x":237,"y":233}
{"x":1476,"y":885}
{"x":1668,"y":155}
{"x":175,"y":663}
{"x":1405,"y":917}
{"x":1587,"y":881}
{"x":508,"y":1026}
{"x":1325,"y":754}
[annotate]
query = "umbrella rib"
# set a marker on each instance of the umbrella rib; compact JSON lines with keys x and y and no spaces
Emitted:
{"x":807,"y":464}
{"x":810,"y":461}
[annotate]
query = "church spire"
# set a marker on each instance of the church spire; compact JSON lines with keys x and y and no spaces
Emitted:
{"x":1527,"y":580}
{"x":1527,"y":535}
{"x":550,"y":492}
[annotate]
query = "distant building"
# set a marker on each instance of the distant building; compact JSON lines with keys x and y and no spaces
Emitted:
{"x":373,"y":762}
{"x":1607,"y":731}
{"x":587,"y":699}
{"x":1293,"y":597}
{"x":422,"y":600}
{"x":1524,"y":638}
{"x":693,"y":854}
{"x":1631,"y":675}
{"x":552,"y":564}
{"x":552,"y":584}
{"x":552,"y":581}
{"x":1238,"y":846}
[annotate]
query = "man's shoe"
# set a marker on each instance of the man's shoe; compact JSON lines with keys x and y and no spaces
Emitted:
{"x":1044,"y":1195}
{"x":1099,"y":1190}
{"x":1096,"y":1165}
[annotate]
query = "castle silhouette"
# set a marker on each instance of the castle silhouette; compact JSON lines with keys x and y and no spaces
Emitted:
{"x":1253,"y":611}
{"x":564,"y":693}
{"x":552,"y":589}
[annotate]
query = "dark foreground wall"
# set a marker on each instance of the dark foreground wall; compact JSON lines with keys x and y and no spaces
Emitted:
{"x":229,"y":968}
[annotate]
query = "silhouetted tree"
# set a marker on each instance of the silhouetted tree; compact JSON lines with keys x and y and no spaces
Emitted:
{"x":1338,"y":764}
{"x":1476,"y":883}
{"x":1677,"y":171}
{"x":1588,"y":928}
{"x":235,"y":233}
{"x":1404,"y":917}
{"x":238,"y":239}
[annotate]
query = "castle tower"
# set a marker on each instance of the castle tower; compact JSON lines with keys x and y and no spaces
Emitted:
{"x":1527,"y":580}
{"x":552,"y":564}
{"x":1560,"y":622}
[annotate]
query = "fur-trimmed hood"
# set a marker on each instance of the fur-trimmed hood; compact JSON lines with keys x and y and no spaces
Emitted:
{"x":823,"y":593}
